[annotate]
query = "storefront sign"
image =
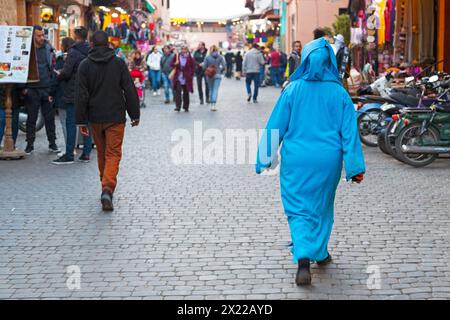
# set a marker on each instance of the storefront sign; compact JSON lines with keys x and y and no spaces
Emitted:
{"x":15,"y":52}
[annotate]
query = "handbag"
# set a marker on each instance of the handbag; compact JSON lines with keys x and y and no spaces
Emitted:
{"x":174,"y":70}
{"x":211,"y":71}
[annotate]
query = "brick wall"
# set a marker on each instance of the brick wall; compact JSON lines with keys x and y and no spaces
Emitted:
{"x":8,"y":12}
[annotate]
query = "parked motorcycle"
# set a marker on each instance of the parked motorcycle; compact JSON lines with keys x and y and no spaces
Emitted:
{"x":390,"y":134}
{"x":426,"y":133}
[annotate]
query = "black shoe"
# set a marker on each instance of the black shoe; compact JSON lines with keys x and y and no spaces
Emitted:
{"x":255,"y":101}
{"x":325,"y":261}
{"x":84,"y":158}
{"x":53,"y":148}
{"x":177,"y":109}
{"x":29,"y":149}
{"x":303,"y":273}
{"x":106,"y":200}
{"x":63,"y":160}
{"x":167,"y":102}
{"x":202,"y":102}
{"x":249,"y":98}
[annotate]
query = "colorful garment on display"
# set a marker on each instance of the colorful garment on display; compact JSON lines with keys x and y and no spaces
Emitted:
{"x":381,"y":6}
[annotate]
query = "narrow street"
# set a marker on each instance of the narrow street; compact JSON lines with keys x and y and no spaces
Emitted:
{"x":213,"y":231}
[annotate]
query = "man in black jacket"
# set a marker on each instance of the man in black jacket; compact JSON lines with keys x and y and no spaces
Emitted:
{"x":104,"y":93}
{"x":38,"y":96}
{"x":77,"y":53}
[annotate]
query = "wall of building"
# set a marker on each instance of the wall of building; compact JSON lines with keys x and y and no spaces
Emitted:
{"x":209,"y":38}
{"x":303,"y":16}
{"x":444,"y":35}
{"x":8,"y":12}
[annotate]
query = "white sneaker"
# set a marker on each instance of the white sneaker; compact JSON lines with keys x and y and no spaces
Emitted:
{"x":159,"y":92}
{"x":213,"y":107}
{"x":154,"y":93}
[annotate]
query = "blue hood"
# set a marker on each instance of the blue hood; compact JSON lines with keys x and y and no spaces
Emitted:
{"x":318,"y":63}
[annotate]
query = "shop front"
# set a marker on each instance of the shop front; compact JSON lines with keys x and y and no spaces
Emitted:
{"x":405,"y":34}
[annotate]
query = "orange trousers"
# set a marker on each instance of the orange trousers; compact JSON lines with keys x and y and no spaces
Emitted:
{"x":108,"y":138}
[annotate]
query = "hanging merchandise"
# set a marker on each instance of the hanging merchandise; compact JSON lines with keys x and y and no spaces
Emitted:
{"x":381,"y":6}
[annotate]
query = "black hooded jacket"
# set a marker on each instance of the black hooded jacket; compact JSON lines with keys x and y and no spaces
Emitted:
{"x":105,"y":90}
{"x":77,"y":53}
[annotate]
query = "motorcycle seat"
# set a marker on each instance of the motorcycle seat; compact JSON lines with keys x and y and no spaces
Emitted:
{"x":377,"y":99}
{"x":443,"y":108}
{"x":405,"y":99}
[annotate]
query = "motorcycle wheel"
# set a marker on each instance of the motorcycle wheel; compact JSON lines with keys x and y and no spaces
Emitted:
{"x":389,"y":143}
{"x":23,"y":121}
{"x":366,"y":123}
{"x":409,"y":136}
{"x":382,"y":142}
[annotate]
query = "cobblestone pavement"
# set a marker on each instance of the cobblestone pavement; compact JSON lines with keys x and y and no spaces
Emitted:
{"x":214,"y":232}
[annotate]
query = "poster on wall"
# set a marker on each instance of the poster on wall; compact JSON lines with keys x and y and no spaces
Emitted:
{"x":15,"y":52}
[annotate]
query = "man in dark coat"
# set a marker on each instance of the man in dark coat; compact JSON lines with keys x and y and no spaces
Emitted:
{"x":77,"y":53}
{"x":38,"y":94}
{"x":104,"y":93}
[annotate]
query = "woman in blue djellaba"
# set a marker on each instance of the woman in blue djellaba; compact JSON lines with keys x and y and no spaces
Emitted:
{"x":314,"y":119}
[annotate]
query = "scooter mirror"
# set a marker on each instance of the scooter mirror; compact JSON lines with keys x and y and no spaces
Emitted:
{"x":433,"y":79}
{"x":409,"y":79}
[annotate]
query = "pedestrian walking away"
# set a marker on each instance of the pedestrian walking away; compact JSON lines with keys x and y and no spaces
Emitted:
{"x":38,"y":94}
{"x":183,"y":79}
{"x":76,"y":53}
{"x":214,"y":68}
{"x":315,"y":121}
{"x":199,"y":57}
{"x":229,"y":59}
{"x":166,"y":68}
{"x":154,"y":65}
{"x":105,"y":92}
{"x":253,"y":64}
{"x":239,"y":61}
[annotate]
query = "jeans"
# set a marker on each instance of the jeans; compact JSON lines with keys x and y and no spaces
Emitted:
{"x":71,"y":130}
{"x":155,"y":79}
{"x":87,"y":143}
{"x":62,"y":120}
{"x":167,"y":84}
{"x":275,"y":76}
{"x":200,"y":77}
{"x":15,"y":123}
{"x":262,"y":75}
{"x":248,"y":82}
{"x":214,"y":84}
{"x":39,"y":99}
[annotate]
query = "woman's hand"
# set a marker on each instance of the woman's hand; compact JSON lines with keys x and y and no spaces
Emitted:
{"x":358,"y":178}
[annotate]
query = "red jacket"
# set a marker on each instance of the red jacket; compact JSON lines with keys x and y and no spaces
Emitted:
{"x":275,"y":58}
{"x":188,"y":71}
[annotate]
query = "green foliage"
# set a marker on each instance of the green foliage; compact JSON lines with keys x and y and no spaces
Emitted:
{"x":342,"y":26}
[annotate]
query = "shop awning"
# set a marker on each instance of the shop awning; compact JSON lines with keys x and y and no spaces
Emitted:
{"x":150,"y":6}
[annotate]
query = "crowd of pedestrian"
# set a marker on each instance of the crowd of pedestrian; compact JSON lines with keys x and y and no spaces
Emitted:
{"x":93,"y":85}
